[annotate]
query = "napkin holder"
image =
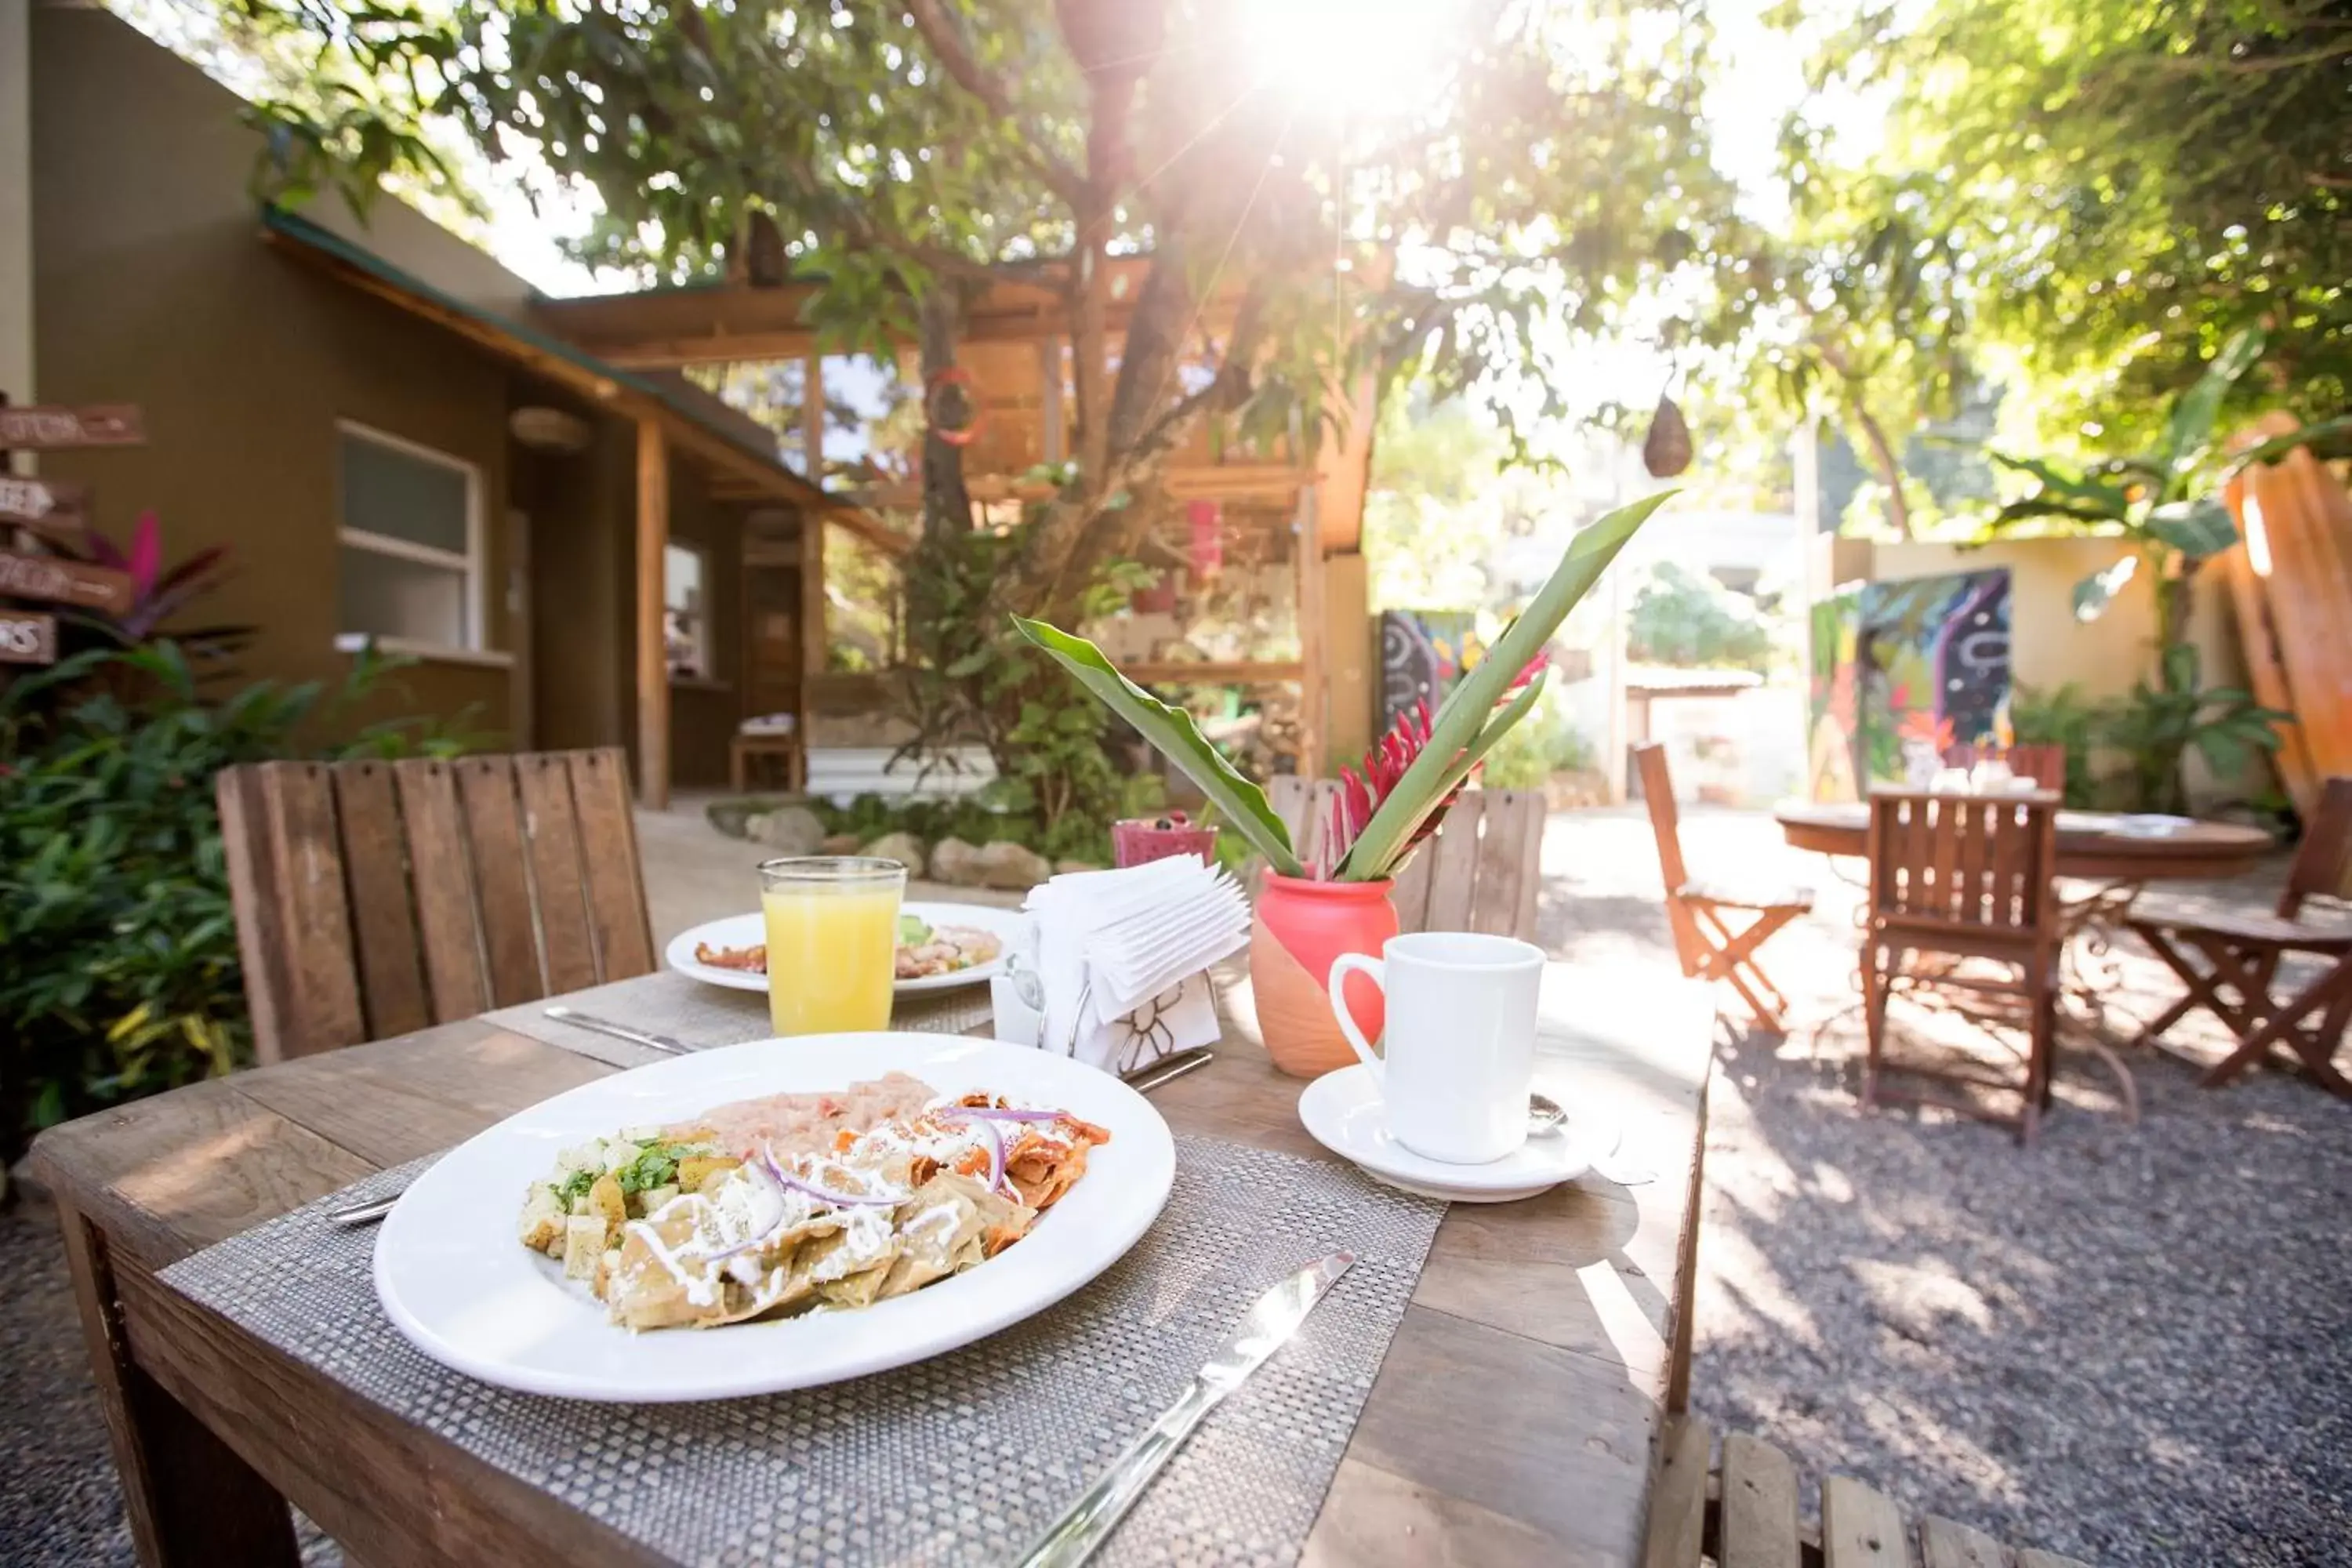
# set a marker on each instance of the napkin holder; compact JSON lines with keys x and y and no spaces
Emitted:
{"x":1181,"y":1016}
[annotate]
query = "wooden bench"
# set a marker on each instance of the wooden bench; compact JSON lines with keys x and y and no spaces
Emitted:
{"x":1745,"y":1517}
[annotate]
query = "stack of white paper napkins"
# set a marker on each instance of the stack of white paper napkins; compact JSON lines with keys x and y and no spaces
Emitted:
{"x":1118,"y":976}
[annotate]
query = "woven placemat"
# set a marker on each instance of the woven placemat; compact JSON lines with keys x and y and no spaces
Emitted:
{"x":963,"y":1459}
{"x":700,"y":1014}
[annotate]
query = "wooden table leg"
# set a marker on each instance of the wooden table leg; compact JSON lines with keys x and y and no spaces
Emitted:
{"x":190,"y":1498}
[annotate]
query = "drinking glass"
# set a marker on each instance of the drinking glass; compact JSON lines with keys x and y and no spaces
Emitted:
{"x":833,"y":937}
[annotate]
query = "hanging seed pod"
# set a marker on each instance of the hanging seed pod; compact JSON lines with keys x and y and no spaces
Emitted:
{"x":1666,"y":450}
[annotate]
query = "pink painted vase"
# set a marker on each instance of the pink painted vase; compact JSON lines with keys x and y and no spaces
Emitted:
{"x":1300,"y":927}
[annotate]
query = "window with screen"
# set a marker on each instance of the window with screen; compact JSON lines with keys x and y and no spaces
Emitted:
{"x":686,"y":610}
{"x":410,"y":541}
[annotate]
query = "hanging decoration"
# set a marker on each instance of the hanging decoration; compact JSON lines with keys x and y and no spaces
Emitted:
{"x":941,"y":391}
{"x":1666,"y":450}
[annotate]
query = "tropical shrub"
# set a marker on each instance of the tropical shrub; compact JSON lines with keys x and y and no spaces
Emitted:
{"x":119,"y":973}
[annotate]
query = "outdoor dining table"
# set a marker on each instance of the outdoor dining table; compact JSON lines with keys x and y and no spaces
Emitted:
{"x":2090,"y":847}
{"x":1514,"y":1418}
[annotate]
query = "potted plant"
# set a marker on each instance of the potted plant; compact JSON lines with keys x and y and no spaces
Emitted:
{"x":1307,"y":915}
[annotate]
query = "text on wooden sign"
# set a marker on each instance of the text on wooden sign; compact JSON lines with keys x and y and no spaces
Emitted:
{"x":27,"y":637}
{"x":24,"y":499}
{"x":42,"y":426}
{"x":64,"y":583}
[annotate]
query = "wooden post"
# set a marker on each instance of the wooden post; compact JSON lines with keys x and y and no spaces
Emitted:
{"x":1308,"y":537}
{"x":653,"y":652}
{"x":813,"y":633}
{"x":1054,"y":436}
{"x":812,"y":420}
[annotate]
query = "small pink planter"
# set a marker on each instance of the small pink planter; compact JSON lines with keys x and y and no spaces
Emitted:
{"x":1300,"y":928}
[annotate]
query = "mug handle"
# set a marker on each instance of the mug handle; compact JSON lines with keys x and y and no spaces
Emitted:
{"x":1372,"y":969}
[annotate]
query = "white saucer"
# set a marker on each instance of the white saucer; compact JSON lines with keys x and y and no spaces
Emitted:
{"x":1342,"y":1110}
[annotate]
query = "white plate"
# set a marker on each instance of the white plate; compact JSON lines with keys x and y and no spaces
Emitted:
{"x":1343,"y":1111}
{"x":749,"y":930}
{"x":454,"y":1277}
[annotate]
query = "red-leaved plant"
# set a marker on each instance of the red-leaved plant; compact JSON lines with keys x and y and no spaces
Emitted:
{"x":1410,"y":777}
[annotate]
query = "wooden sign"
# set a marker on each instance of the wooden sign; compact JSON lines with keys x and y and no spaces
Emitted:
{"x":39,"y":427}
{"x":27,"y":637}
{"x":47,"y":506}
{"x":64,"y":583}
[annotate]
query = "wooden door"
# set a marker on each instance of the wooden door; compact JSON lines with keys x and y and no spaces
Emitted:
{"x":772,"y":637}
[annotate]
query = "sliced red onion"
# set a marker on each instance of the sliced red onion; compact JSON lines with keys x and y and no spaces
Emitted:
{"x":993,"y":1113}
{"x":838,"y":1200}
{"x":995,"y":1156}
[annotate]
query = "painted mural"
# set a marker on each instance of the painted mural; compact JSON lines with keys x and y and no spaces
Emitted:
{"x":1901,"y":673}
{"x":1423,"y":653}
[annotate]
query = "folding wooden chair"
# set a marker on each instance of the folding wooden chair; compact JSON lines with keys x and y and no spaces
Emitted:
{"x":1704,"y":941}
{"x":1966,"y":877}
{"x":374,"y":897}
{"x":1481,"y":872}
{"x":2243,"y":953}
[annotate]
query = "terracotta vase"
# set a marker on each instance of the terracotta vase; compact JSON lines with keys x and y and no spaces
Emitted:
{"x":1300,"y":927}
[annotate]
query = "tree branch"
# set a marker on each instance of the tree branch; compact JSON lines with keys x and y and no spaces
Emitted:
{"x":995,"y":95}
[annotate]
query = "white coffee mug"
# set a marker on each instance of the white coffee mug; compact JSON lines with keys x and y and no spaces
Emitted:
{"x":1461,"y":1039}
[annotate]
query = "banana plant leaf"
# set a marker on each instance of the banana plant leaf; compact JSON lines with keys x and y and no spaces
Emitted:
{"x":1464,"y":715}
{"x":2095,"y":592}
{"x":2188,"y":433}
{"x":2198,"y":529}
{"x":2070,"y":495}
{"x":1173,"y":734}
{"x":2328,"y":440}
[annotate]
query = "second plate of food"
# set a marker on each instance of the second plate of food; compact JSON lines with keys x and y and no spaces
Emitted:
{"x":772,"y":1215}
{"x":940,"y":946}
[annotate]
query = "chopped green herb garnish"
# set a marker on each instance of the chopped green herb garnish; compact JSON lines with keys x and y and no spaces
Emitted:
{"x":913,"y":932}
{"x":655,"y":1166}
{"x":575,"y":1185}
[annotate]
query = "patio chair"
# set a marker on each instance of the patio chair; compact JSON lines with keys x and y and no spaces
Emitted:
{"x":2045,"y":765}
{"x":1750,"y":1515}
{"x":1963,"y":876}
{"x":1479,"y":873}
{"x":2243,"y":953}
{"x":1704,"y":941}
{"x":373,"y":898}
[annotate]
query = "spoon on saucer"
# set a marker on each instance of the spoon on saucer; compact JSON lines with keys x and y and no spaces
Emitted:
{"x":1545,"y":1115}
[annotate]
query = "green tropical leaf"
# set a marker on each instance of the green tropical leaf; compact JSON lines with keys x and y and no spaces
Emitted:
{"x":2076,"y":495}
{"x":2189,"y":434}
{"x":1173,"y":734}
{"x":2095,"y":592}
{"x":2328,"y":440}
{"x":1463,"y":716}
{"x":1452,"y":779}
{"x":2198,"y":529}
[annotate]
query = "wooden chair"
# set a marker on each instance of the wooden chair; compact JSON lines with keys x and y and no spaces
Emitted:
{"x":1964,"y":877}
{"x":373,"y":898}
{"x":2045,"y":765}
{"x":1748,"y":1518}
{"x":1703,"y":940}
{"x":1481,"y":871}
{"x":2244,"y":953}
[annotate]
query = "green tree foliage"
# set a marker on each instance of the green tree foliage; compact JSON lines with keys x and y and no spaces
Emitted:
{"x":1534,"y":167}
{"x":2131,"y":183}
{"x":1688,"y":619}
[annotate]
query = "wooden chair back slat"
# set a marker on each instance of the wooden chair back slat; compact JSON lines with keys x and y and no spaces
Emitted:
{"x":392,"y":978}
{"x":486,"y":793}
{"x":1410,"y":896}
{"x":1510,"y":849}
{"x":552,"y":833}
{"x":441,"y":871}
{"x":608,"y":853}
{"x":373,"y":898}
{"x":1665,"y":824}
{"x":1454,"y":870}
{"x":323,"y":996}
{"x":1977,"y":864}
{"x":2323,"y":861}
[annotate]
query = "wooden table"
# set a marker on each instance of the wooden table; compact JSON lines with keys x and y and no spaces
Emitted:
{"x":2088,"y":849}
{"x":1515,"y":1419}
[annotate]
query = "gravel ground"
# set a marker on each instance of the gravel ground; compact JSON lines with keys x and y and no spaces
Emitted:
{"x":2133,"y":1344}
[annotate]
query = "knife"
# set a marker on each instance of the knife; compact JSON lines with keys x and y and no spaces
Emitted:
{"x":1080,"y":1532}
{"x":596,"y":1025}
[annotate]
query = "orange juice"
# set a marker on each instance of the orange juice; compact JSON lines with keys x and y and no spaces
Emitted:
{"x":832,"y":944}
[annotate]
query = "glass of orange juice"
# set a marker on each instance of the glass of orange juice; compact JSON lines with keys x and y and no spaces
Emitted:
{"x":833,"y":937}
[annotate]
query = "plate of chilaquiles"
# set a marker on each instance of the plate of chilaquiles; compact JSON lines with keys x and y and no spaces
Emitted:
{"x":772,"y":1215}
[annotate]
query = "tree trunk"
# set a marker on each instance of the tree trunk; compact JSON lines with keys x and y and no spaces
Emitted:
{"x":947,"y":503}
{"x":1890,"y":470}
